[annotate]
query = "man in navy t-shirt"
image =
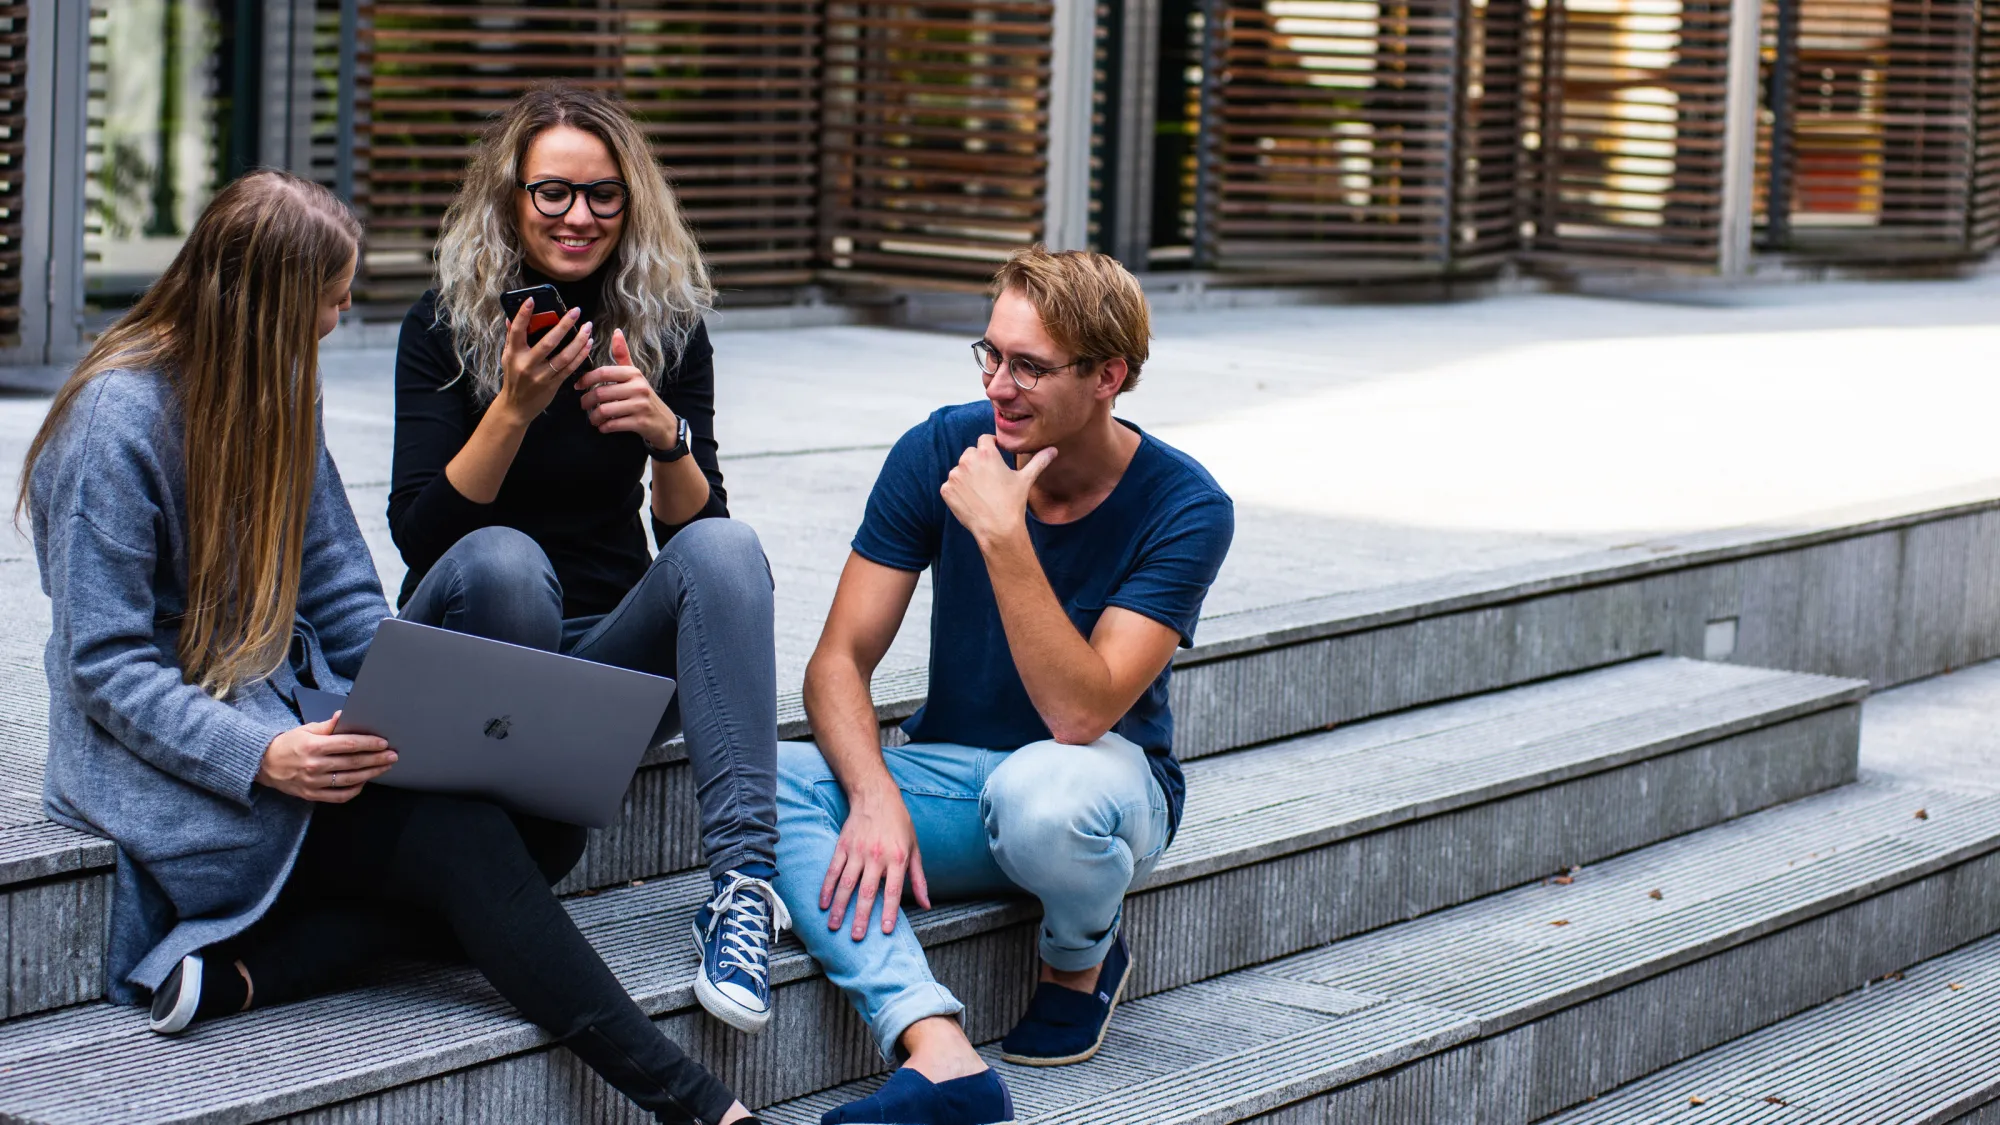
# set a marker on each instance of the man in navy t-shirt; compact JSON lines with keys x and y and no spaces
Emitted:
{"x":1070,"y":554}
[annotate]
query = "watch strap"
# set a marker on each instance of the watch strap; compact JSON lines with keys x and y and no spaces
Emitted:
{"x":683,"y":444}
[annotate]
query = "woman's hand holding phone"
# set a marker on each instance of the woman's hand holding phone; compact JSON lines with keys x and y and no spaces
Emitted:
{"x":532,"y":373}
{"x":314,"y":764}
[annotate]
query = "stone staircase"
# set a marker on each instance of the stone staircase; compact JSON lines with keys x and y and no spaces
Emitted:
{"x":1920,"y":1046}
{"x":1415,"y":881}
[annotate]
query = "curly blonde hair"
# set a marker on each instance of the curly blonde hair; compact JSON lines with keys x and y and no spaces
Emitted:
{"x":656,"y":287}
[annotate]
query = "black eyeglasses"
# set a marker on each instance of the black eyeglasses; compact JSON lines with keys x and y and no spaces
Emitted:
{"x":1024,"y":373}
{"x":554,"y":198}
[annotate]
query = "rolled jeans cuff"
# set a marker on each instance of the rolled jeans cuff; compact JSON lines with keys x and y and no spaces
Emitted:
{"x":917,"y":1002}
{"x":1077,"y":960}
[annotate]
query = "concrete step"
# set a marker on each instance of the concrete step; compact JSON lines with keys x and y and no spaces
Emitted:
{"x":1879,"y":593}
{"x":1285,"y":846}
{"x":1522,"y":1004}
{"x":1918,"y":1047}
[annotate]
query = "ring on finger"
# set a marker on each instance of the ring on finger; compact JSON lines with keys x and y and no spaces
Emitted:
{"x":336,"y":779}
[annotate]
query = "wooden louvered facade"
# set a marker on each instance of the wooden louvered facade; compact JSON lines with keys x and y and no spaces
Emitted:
{"x":1983,"y":222}
{"x":850,"y":144}
{"x":1486,"y":206}
{"x":1871,"y":129}
{"x":1625,"y":128}
{"x":907,"y":144}
{"x":936,"y":146}
{"x":13,"y":164}
{"x":726,"y":90}
{"x":1331,"y":132}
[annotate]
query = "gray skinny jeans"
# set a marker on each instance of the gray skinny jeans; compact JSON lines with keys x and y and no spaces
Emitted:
{"x":702,"y":613}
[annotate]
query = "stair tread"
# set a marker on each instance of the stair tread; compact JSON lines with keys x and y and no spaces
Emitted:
{"x":418,"y":1021}
{"x":1410,"y":747}
{"x":1918,"y":1049}
{"x":1479,"y":969}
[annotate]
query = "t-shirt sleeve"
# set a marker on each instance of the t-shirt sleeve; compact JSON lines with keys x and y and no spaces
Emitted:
{"x":904,"y":522}
{"x":1178,"y":564}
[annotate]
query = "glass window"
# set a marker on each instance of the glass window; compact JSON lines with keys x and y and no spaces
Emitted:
{"x":162,"y":132}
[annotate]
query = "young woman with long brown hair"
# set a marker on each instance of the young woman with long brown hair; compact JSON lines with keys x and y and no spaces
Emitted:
{"x":518,"y":491}
{"x":197,"y":546}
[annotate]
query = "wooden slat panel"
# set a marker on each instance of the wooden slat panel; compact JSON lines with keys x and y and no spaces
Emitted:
{"x":1487,"y":157}
{"x":727,"y":90}
{"x":1881,"y":148}
{"x":1624,"y":127}
{"x":935,"y":118}
{"x":1983,"y":225}
{"x":13,"y":134}
{"x":1333,"y":129}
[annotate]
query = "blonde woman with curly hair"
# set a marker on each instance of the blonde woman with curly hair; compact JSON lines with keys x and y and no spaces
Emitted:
{"x":521,"y":460}
{"x":203,"y":565}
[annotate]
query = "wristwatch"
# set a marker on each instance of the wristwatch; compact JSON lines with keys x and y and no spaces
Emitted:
{"x":682,"y":439}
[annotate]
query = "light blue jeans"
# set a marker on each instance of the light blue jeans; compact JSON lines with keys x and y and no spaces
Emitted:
{"x":1074,"y":826}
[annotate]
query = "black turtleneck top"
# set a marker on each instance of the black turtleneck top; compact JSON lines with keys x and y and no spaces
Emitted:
{"x":576,"y":492}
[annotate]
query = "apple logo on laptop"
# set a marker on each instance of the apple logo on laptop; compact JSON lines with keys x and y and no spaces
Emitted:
{"x":498,"y":728}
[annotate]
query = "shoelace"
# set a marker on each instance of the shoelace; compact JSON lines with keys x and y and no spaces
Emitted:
{"x":747,"y":927}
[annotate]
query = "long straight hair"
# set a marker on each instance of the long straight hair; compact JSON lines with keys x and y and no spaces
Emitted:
{"x":656,"y":286}
{"x":233,"y":327}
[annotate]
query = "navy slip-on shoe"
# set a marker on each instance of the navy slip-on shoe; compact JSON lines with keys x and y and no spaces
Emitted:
{"x":1065,"y":1026}
{"x":908,"y":1098}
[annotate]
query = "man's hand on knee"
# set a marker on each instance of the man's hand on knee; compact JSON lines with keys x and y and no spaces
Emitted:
{"x":876,"y":852}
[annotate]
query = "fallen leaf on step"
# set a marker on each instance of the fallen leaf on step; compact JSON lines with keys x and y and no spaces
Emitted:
{"x":1955,"y":987}
{"x":1922,"y":815}
{"x":1776,"y":1100}
{"x":1891,"y":976}
{"x":1560,"y":922}
{"x":1562,"y":880}
{"x":1697,"y":1099}
{"x":1654,"y":895}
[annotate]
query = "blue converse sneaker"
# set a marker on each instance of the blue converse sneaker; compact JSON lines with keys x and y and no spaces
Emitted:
{"x":1065,"y":1026}
{"x":908,"y":1098}
{"x":734,"y":932}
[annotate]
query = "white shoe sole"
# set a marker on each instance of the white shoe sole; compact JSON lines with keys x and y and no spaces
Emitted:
{"x":189,"y":999}
{"x":718,"y":1005}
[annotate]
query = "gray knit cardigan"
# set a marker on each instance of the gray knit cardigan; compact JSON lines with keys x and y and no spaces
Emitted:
{"x":136,"y":755}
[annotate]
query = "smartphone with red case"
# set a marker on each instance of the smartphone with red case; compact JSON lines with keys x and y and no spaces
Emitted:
{"x":549,"y":306}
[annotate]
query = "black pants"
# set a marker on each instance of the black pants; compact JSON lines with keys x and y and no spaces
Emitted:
{"x":394,"y":871}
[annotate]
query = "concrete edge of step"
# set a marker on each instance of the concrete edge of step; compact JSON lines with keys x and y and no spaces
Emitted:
{"x":1288,"y":623}
{"x":1797,"y":1056}
{"x":69,"y":852}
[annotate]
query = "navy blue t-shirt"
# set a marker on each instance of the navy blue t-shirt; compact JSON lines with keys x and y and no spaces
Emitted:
{"x":1152,"y":547}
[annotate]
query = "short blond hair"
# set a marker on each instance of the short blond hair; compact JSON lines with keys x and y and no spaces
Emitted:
{"x":1090,"y":305}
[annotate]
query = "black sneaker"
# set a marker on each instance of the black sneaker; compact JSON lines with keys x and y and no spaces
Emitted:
{"x":179,"y":996}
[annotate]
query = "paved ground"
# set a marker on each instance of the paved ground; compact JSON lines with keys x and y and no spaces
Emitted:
{"x":1365,"y":445}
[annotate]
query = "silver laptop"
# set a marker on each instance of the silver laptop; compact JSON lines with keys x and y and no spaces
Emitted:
{"x":545,"y":734}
